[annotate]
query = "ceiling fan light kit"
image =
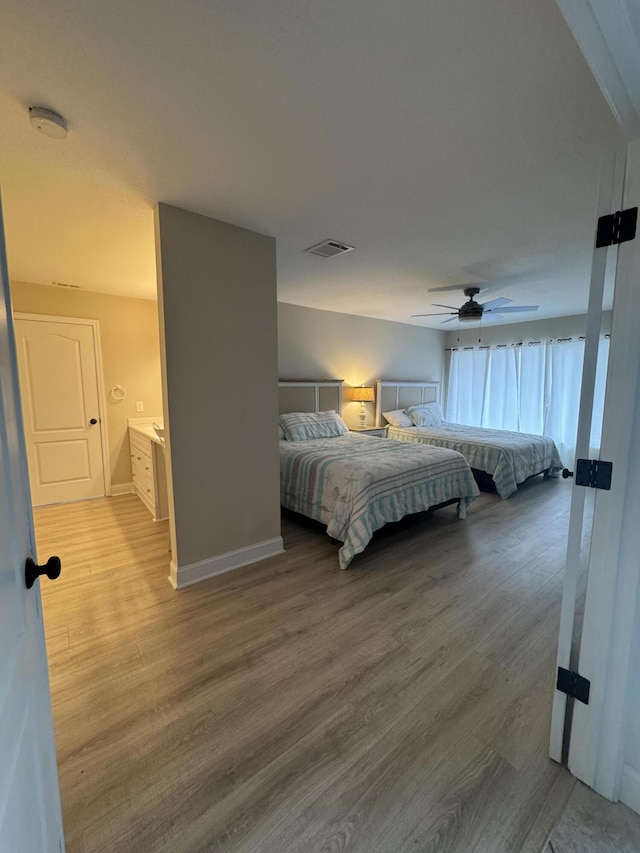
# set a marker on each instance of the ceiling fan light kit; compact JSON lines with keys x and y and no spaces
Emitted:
{"x":471,"y":310}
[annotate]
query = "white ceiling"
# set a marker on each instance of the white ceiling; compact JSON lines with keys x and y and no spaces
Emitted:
{"x":449,"y":141}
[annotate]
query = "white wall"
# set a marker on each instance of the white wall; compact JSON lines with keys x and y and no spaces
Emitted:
{"x":315,"y":344}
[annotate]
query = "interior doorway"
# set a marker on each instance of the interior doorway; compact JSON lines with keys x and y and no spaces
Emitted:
{"x":63,"y":402}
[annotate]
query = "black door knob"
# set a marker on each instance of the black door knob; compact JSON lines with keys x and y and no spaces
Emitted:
{"x":93,"y":421}
{"x":51,"y":569}
{"x":566,"y":473}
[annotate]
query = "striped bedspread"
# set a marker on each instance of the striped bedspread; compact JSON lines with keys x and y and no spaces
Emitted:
{"x":508,"y":457}
{"x":356,"y":484}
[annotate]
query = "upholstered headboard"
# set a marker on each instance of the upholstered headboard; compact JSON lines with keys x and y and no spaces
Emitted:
{"x":310,"y":395}
{"x":394,"y":394}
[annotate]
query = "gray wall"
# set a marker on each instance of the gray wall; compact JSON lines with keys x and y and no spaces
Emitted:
{"x":217,"y":306}
{"x":315,"y":344}
{"x":631,"y":755}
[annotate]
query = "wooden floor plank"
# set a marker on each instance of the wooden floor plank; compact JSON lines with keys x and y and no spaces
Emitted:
{"x":288,"y":706}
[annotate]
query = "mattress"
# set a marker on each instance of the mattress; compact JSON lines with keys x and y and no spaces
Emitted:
{"x":356,"y":484}
{"x":508,"y":457}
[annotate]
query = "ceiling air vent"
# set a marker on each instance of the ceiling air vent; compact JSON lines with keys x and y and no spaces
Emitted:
{"x":329,"y":249}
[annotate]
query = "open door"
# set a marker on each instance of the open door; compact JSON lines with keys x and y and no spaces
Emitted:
{"x":30,"y":815}
{"x":588,"y":727}
{"x":604,"y":749}
{"x":582,"y":497}
{"x":612,"y":610}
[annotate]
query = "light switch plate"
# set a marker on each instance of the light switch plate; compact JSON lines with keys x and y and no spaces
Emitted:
{"x":139,"y":406}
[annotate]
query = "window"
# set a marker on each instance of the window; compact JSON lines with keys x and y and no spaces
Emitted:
{"x":527,"y":388}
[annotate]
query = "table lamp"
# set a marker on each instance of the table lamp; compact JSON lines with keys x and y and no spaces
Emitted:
{"x":363,"y":394}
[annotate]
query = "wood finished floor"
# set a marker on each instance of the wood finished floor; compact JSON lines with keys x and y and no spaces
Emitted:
{"x":289,"y":707}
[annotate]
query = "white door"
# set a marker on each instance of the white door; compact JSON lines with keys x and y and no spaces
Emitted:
{"x":601,"y":751}
{"x":578,"y":540}
{"x":30,"y":816}
{"x":59,"y":385}
{"x":604,"y":749}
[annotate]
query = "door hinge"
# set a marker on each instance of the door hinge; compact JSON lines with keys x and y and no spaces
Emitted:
{"x":616,"y":228}
{"x":594,"y":473}
{"x":574,"y":685}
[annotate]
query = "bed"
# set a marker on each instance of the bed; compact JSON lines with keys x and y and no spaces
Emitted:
{"x":356,"y":484}
{"x":506,"y":458}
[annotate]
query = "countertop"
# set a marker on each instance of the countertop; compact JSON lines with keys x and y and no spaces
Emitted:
{"x":145,"y":427}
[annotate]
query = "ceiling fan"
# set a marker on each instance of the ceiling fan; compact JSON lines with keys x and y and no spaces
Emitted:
{"x":472,"y":310}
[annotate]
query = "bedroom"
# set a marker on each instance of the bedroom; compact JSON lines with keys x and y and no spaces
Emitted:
{"x":199,"y":312}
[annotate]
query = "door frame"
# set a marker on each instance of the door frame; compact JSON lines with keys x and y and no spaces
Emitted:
{"x":102,"y":399}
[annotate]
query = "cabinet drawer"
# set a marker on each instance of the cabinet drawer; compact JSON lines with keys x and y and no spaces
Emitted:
{"x":139,"y":445}
{"x":148,"y":491}
{"x":138,"y":468}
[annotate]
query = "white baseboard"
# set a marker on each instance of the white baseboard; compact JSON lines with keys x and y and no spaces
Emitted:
{"x":630,"y":788}
{"x":123,"y":489}
{"x":181,"y":576}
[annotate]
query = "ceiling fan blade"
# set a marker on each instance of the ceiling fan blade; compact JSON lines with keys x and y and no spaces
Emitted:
{"x":457,"y":287}
{"x":438,"y":314}
{"x":439,"y":305}
{"x":492,"y":304}
{"x":450,"y":320}
{"x":512,"y":309}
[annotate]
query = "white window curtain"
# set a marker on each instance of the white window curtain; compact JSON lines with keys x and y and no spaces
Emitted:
{"x":500,"y":409}
{"x":529,"y":388}
{"x":467,"y":379}
{"x":561,"y":421}
{"x":534,"y":385}
{"x":598,"y":396}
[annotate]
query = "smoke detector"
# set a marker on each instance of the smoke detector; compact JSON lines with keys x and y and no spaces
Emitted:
{"x":329,"y":249}
{"x":48,"y":122}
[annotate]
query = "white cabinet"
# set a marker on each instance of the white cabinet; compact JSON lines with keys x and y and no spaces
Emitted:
{"x":149,"y":473}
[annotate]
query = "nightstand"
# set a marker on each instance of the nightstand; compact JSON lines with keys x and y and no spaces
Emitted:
{"x":374,"y":432}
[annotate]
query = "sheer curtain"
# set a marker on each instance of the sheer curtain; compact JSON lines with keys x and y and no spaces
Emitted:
{"x":532,"y":388}
{"x":598,"y":396}
{"x":467,"y":379}
{"x":561,"y":422}
{"x":534,"y":385}
{"x":500,"y":409}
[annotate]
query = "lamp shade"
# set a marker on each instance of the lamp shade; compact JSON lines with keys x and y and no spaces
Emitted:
{"x":364,"y":394}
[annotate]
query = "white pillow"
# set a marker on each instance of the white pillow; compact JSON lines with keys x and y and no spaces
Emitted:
{"x":428,"y":414}
{"x":304,"y":426}
{"x":398,"y":418}
{"x":281,"y":435}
